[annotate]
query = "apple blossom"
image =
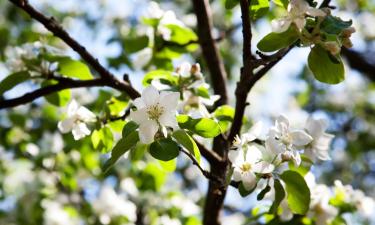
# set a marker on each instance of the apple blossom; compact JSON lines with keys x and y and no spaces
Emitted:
{"x":297,"y":10}
{"x":319,"y":146}
{"x":320,"y":209}
{"x":246,"y":162}
{"x":284,"y":142}
{"x":154,"y":111}
{"x":77,"y":117}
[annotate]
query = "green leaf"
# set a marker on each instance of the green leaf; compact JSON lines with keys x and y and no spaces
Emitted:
{"x":74,"y":68}
{"x":59,"y":98}
{"x":13,"y":80}
{"x":323,"y":68}
{"x":168,"y":166}
{"x":259,"y":8}
{"x":261,"y":194}
{"x":160,"y":75}
{"x":298,"y":192}
{"x":102,"y":139}
{"x":304,"y":167}
{"x":224,"y":114}
{"x":164,"y":149}
{"x":275,"y":41}
{"x":122,"y":146}
{"x":279,"y":196}
{"x":187,"y":142}
{"x":283,"y":3}
{"x":243,"y":192}
{"x":204,"y":127}
{"x":135,"y":44}
{"x":128,"y":128}
{"x":230,"y":4}
{"x":334,"y":25}
{"x":181,"y":35}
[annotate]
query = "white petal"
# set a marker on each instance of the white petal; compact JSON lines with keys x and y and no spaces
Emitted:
{"x":140,"y":116}
{"x":150,"y":96}
{"x":147,"y":131}
{"x":263,"y":167}
{"x":323,"y":142}
{"x":80,"y":130}
{"x":184,"y":69}
{"x":168,"y":119}
{"x":300,"y":23}
{"x":66,"y":125}
{"x":300,"y":138}
{"x":249,"y":180}
{"x":282,"y":124}
{"x":236,"y":157}
{"x":237,"y":174}
{"x":254,"y":132}
{"x":169,"y":100}
{"x":274,"y":146}
{"x":296,"y":158}
{"x":315,"y":12}
{"x":85,"y":114}
{"x":315,"y":127}
{"x":253,"y":154}
{"x":72,"y":107}
{"x":280,"y":25}
{"x":138,"y":102}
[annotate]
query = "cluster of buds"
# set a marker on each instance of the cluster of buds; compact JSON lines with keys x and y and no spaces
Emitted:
{"x":334,"y":47}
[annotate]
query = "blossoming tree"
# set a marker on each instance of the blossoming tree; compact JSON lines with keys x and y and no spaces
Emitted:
{"x":118,"y":156}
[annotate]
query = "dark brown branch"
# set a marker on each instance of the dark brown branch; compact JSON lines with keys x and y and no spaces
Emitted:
{"x":65,"y":83}
{"x":210,"y":52}
{"x":52,"y":25}
{"x":211,"y":156}
{"x":360,"y":63}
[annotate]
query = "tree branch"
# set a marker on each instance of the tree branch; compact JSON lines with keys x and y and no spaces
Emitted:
{"x":360,"y":63}
{"x":211,"y":156}
{"x":64,"y":83}
{"x":210,"y":51}
{"x":52,"y":25}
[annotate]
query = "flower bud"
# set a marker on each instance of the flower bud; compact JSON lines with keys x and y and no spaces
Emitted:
{"x":196,"y":68}
{"x":286,"y":156}
{"x":332,"y":47}
{"x":346,"y":33}
{"x":347,"y":43}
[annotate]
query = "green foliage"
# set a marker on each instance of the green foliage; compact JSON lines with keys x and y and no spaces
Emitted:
{"x":13,"y":80}
{"x":164,"y":149}
{"x":243,"y":192}
{"x":224,"y":114}
{"x":165,"y":77}
{"x":60,"y":98}
{"x":204,"y":127}
{"x":279,"y":196}
{"x":73,"y":68}
{"x":275,"y":41}
{"x":168,"y":166}
{"x":298,"y":192}
{"x":181,"y":35}
{"x":230,"y":4}
{"x":334,"y":25}
{"x":324,"y":68}
{"x":102,"y":139}
{"x":135,"y":44}
{"x":261,"y":194}
{"x":259,"y":8}
{"x":282,"y":3}
{"x":187,"y":142}
{"x":304,"y":167}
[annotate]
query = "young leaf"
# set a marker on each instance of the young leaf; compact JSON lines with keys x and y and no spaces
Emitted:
{"x":168,"y":166}
{"x":259,"y":8}
{"x":102,"y":139}
{"x":230,"y":4}
{"x":204,"y":127}
{"x":74,"y":68}
{"x":128,"y":128}
{"x":275,"y":41}
{"x":59,"y":98}
{"x":283,"y":3}
{"x":224,"y":114}
{"x":279,"y":196}
{"x":187,"y":142}
{"x":13,"y":80}
{"x":298,"y":192}
{"x":135,"y":44}
{"x":164,"y":149}
{"x":334,"y":25}
{"x":243,"y":191}
{"x":122,"y":146}
{"x":160,"y":75}
{"x":323,"y":68}
{"x":181,"y":35}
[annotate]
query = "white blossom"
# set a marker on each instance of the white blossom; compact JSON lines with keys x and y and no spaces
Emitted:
{"x":110,"y":205}
{"x":297,"y":10}
{"x":320,"y":209}
{"x":154,"y":110}
{"x":77,"y":117}
{"x":319,"y":146}
{"x":284,"y":142}
{"x":54,"y":214}
{"x":246,"y":162}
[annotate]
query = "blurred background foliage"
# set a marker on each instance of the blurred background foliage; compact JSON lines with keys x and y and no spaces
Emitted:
{"x":47,"y":177}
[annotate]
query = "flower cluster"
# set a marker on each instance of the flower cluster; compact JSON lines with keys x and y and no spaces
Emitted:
{"x":282,"y":144}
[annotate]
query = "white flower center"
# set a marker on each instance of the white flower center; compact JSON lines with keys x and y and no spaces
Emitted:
{"x":155,"y":111}
{"x":286,"y":139}
{"x":245,"y":167}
